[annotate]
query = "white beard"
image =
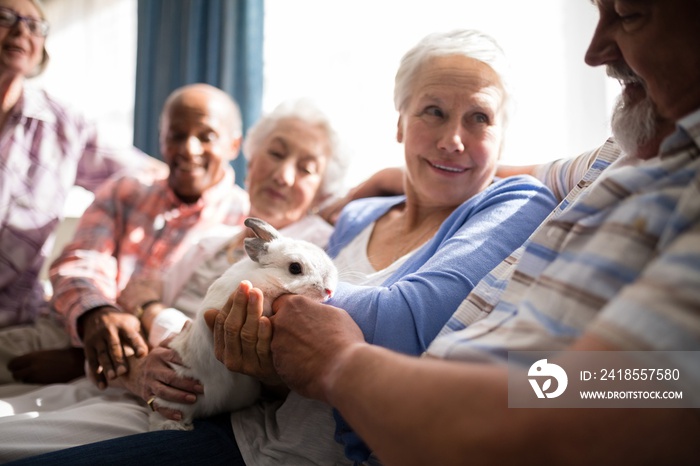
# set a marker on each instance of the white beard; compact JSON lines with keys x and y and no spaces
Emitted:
{"x":633,"y":125}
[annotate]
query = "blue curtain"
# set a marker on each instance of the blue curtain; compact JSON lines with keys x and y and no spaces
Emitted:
{"x":218,"y":42}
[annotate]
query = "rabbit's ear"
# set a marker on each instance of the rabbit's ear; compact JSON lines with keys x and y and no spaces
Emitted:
{"x":256,"y":248}
{"x":262,"y":229}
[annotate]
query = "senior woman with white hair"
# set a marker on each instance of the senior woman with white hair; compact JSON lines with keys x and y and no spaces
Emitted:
{"x":413,"y":259}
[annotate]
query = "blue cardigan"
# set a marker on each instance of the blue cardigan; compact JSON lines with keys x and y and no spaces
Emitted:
{"x":412,"y":305}
{"x":408,"y":311}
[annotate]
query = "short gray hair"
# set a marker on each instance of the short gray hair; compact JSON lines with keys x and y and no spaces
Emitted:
{"x":304,"y":110}
{"x":466,"y":42}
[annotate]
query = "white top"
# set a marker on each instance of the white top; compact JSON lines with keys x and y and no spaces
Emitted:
{"x":354,"y":266}
{"x":298,"y":430}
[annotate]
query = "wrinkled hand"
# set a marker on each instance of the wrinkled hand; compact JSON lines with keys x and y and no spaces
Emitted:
{"x":242,"y":335}
{"x":139,"y":290}
{"x":109,"y":336}
{"x":48,"y":366}
{"x":153,"y":375}
{"x":309,"y":342}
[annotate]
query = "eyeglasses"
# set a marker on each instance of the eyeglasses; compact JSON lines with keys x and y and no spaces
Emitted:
{"x":10,"y":18}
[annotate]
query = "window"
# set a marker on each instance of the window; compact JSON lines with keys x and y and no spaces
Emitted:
{"x":92,"y":49}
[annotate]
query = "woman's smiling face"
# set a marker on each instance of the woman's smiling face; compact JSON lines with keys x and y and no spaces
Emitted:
{"x":20,"y":50}
{"x":451,"y":128}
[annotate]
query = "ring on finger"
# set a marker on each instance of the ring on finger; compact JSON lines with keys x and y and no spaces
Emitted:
{"x":150,"y":403}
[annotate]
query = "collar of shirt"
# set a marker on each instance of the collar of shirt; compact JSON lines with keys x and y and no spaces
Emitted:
{"x":687,"y":132}
{"x":33,"y":104}
{"x":218,"y":193}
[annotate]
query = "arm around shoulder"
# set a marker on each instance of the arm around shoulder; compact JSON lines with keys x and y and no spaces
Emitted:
{"x":385,"y":182}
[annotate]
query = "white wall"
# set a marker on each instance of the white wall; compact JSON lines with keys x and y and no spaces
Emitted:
{"x":344,"y":54}
{"x":92,"y":45}
{"x":92,"y":50}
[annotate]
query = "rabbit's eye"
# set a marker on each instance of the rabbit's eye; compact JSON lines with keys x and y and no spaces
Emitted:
{"x":295,"y":268}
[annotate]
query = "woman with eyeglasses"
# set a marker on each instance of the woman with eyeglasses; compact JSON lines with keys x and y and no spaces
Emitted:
{"x":45,"y":149}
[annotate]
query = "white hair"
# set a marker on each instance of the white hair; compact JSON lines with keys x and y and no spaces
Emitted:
{"x":466,"y":42}
{"x":633,"y":125}
{"x":306,"y":111}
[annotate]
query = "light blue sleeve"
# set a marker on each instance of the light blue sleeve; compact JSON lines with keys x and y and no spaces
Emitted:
{"x":409,"y":310}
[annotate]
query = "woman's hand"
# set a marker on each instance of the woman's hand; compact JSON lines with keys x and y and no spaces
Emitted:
{"x":242,"y":335}
{"x":153,"y":376}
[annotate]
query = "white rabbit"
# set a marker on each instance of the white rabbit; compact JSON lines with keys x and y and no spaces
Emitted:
{"x":277,"y":265}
